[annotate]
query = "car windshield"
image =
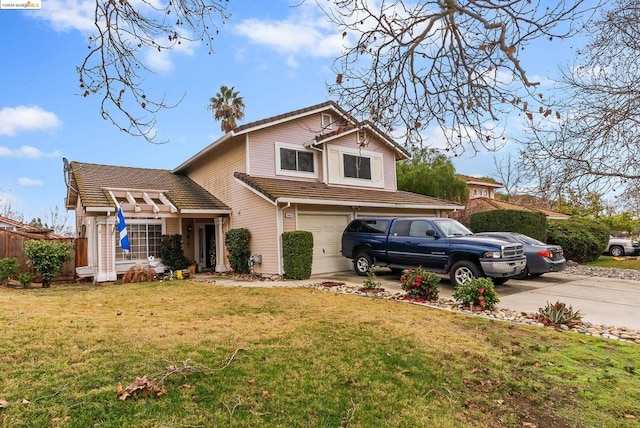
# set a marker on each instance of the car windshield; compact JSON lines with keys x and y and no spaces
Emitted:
{"x":452,"y":228}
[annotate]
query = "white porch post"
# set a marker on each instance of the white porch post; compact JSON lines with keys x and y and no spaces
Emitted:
{"x":220,"y":266}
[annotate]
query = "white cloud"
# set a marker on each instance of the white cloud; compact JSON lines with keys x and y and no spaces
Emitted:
{"x":66,"y":15}
{"x":26,"y":152}
{"x":305,"y":34}
{"x":26,"y":181}
{"x":26,"y":118}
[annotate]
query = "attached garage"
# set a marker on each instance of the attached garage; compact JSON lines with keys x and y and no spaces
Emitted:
{"x":327,"y":241}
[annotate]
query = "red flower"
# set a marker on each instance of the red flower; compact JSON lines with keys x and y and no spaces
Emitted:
{"x":480,"y":290}
{"x":416,"y":284}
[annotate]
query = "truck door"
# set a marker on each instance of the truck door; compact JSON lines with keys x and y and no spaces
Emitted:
{"x":411,"y":243}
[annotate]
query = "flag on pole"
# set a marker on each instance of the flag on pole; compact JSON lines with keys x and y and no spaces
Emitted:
{"x":122,"y":230}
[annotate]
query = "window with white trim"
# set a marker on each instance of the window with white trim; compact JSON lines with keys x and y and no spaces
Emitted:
{"x":295,"y":161}
{"x":144,"y":240}
{"x":357,"y":167}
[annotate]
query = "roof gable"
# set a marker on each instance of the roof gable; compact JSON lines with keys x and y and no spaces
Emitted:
{"x":347,"y":123}
{"x":95,"y":185}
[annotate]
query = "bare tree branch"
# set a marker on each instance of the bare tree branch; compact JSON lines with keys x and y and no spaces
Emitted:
{"x":452,"y":63}
{"x":597,"y":145}
{"x":124,"y":31}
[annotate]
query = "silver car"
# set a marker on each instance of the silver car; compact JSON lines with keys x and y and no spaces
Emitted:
{"x":541,"y":257}
{"x":619,"y":247}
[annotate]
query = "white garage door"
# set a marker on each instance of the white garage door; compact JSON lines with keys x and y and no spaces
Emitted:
{"x":327,"y":237}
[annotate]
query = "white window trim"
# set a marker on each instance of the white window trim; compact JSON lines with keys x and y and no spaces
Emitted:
{"x":362,"y":182}
{"x":289,"y":173}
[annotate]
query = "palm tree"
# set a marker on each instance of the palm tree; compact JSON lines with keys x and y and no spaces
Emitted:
{"x":227,"y":107}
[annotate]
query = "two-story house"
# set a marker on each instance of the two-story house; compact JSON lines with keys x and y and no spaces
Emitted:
{"x":481,"y":187}
{"x":311,"y":169}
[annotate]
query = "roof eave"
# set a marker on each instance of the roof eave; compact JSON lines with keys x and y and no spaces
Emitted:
{"x":366,"y":204}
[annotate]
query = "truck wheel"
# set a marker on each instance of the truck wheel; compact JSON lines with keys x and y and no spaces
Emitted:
{"x":362,"y":263}
{"x":463,"y":271}
{"x":616,"y":251}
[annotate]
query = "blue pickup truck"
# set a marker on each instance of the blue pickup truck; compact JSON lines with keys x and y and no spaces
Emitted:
{"x":437,"y":244}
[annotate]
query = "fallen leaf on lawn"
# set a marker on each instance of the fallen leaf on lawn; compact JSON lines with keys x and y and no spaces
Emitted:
{"x":187,"y":386}
{"x":573,"y":389}
{"x":474,"y":370}
{"x":25,"y":401}
{"x":537,"y":364}
{"x":358,"y":364}
{"x":265,"y":394}
{"x":629,"y":417}
{"x":3,"y":404}
{"x":528,"y":425}
{"x":499,"y":401}
{"x":388,"y":354}
{"x":251,"y":381}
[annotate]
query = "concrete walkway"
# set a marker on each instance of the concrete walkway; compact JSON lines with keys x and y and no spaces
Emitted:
{"x":611,"y":302}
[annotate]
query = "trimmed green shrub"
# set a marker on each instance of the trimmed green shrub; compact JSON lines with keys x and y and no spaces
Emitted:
{"x":172,"y":253}
{"x":47,"y":257}
{"x":237,"y":243}
{"x":297,"y":253}
{"x":533,"y":224}
{"x":583,"y":240}
{"x":9,"y":268}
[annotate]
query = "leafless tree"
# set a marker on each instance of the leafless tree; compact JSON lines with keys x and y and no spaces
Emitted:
{"x":509,"y":174}
{"x":125,"y":31}
{"x":597,"y":145}
{"x":456,"y":64}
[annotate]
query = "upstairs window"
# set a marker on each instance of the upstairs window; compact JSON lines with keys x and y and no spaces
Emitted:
{"x":357,"y":167}
{"x":294,"y":160}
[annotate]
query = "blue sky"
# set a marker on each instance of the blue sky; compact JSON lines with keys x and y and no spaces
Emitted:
{"x":278,"y":57}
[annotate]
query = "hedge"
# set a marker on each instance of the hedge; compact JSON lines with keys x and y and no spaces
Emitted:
{"x":583,"y":240}
{"x":297,"y":252}
{"x":237,"y":243}
{"x":533,"y":224}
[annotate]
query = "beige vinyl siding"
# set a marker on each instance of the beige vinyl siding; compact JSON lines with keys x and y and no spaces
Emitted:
{"x":215,"y":171}
{"x":262,"y":159}
{"x":172,"y":226}
{"x":288,"y":223}
{"x":260,"y":217}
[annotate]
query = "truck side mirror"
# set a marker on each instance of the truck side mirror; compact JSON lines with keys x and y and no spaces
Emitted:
{"x":431,"y":233}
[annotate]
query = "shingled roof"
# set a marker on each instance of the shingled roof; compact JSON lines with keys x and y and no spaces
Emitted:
{"x":279,"y":190}
{"x":487,"y":204}
{"x":89,"y":182}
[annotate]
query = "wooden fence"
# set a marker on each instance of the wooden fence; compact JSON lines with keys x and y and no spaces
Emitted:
{"x":12,"y":245}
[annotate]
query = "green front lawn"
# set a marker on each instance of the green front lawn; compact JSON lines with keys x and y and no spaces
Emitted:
{"x":610,"y":262}
{"x":282,"y":357}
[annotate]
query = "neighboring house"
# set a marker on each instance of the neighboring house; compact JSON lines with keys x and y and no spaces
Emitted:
{"x":487,"y":204}
{"x":16,"y":226}
{"x":311,"y":169}
{"x":481,"y":187}
{"x":13,"y":225}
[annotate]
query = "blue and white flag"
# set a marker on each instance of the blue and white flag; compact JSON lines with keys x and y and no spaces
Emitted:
{"x":122,"y":230}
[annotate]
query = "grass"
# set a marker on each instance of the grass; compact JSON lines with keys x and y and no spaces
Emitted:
{"x":282,"y":357}
{"x":619,"y":263}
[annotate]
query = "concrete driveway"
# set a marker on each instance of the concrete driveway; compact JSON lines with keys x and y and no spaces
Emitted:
{"x":612,"y":302}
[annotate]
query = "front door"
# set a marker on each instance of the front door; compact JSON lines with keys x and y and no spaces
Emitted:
{"x":205,"y":244}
